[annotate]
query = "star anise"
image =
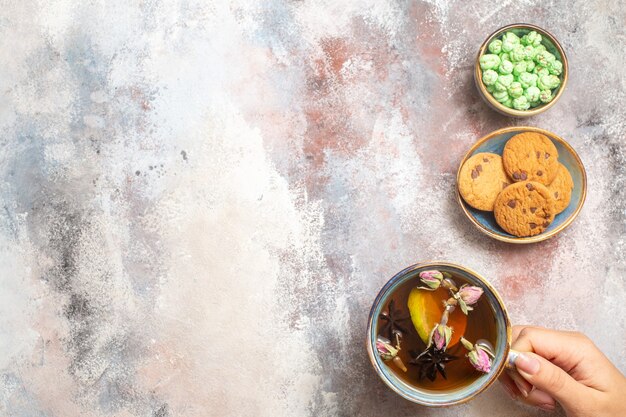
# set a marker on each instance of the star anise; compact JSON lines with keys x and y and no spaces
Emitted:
{"x":394,"y":321}
{"x":431,"y":361}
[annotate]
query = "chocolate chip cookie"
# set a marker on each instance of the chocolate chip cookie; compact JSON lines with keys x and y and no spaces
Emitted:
{"x":481,"y":179}
{"x":561,"y":189}
{"x":524,"y":208}
{"x":531,"y":156}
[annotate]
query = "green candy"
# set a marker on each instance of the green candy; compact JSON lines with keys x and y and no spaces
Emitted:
{"x":498,"y":86}
{"x":521,"y":53}
{"x":519,"y":68}
{"x":531,"y":39}
{"x":543,"y":82}
{"x":548,"y":82}
{"x":504,"y":82}
{"x":510,"y":37}
{"x":521,"y":103}
{"x":524,"y":40}
{"x":527,"y":80}
{"x":545,"y":58}
{"x":515,"y":89}
{"x":545,"y":96}
{"x":489,"y":61}
{"x":532,"y":94}
{"x":490,"y":77}
{"x":539,"y":70}
{"x":507,"y":46}
{"x":555,"y":81}
{"x":535,"y":37}
{"x":495,"y":47}
{"x":501,"y":96}
{"x":506,"y":67}
{"x":510,"y":41}
{"x":520,"y":73}
{"x":517,"y":54}
{"x":556,"y":68}
{"x":528,"y":52}
{"x":538,"y":49}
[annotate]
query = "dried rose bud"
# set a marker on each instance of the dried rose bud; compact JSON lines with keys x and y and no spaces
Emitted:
{"x":449,"y":284}
{"x":480,"y":359}
{"x":464,"y":307}
{"x":385,"y":349}
{"x":467,"y":344}
{"x":398,"y":362}
{"x":431,"y":278}
{"x":470,"y":294}
{"x":389,"y":353}
{"x":431,"y":274}
{"x":486,"y":346}
{"x":441,"y":336}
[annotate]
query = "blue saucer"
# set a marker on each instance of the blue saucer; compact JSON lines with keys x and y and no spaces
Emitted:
{"x":494,"y":143}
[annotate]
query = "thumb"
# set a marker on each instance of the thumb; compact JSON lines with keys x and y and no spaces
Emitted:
{"x":547,"y":377}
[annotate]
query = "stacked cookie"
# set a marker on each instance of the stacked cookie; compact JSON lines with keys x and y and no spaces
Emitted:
{"x":525,"y":188}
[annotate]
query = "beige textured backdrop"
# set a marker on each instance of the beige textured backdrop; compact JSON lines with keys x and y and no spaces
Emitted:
{"x":201,"y":200}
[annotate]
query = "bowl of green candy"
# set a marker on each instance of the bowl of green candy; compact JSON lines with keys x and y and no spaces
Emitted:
{"x":521,"y":70}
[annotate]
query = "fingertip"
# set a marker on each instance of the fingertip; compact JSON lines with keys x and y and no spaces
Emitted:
{"x":547,"y":407}
{"x":526,"y":363}
{"x":523,"y":387}
{"x":551,"y":379}
{"x":509,"y":386}
{"x":511,"y":392}
{"x":541,"y":399}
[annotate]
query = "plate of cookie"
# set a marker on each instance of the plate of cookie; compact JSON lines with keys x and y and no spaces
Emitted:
{"x":521,"y":184}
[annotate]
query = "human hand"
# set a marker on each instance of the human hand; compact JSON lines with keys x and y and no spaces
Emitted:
{"x":564,"y":367}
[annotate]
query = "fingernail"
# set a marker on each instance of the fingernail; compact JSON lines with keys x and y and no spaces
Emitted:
{"x":509,"y":391}
{"x":513,"y":354}
{"x":522,"y":385}
{"x":541,"y":397}
{"x":521,"y":388}
{"x":527,"y":363}
{"x":547,"y":407}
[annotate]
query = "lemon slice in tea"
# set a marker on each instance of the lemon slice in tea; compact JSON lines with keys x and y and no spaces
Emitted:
{"x":426,"y":308}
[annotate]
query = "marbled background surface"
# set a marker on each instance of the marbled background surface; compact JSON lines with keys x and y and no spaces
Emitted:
{"x":201,"y":200}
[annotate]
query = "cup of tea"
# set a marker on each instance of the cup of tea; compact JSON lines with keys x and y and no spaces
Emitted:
{"x":439,"y":334}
